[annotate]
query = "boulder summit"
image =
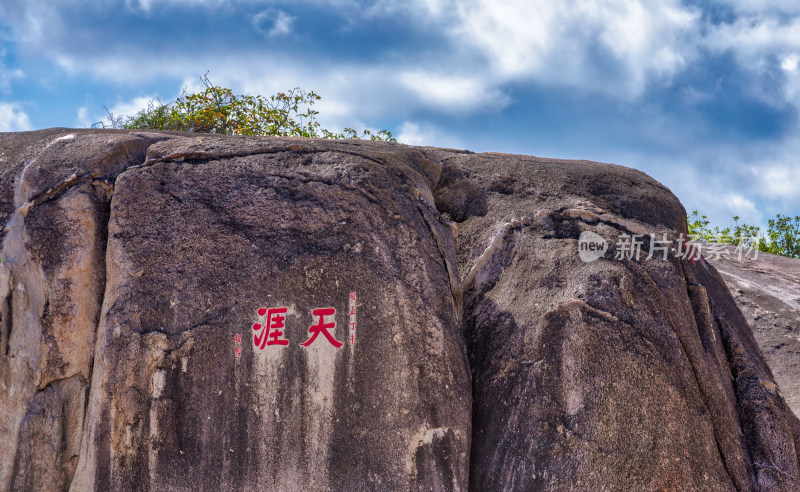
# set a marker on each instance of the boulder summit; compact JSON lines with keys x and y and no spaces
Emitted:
{"x":184,"y":313}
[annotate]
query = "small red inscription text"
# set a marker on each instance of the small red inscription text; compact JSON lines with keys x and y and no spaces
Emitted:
{"x":237,"y":339}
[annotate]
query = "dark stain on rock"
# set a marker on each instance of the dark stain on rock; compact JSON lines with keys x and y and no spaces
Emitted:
{"x":458,"y":196}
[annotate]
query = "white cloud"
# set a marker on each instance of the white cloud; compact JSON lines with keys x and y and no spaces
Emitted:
{"x":789,"y":62}
{"x":273,"y":22}
{"x":452,"y":91}
{"x":33,"y":25}
{"x":147,"y":5}
{"x":766,"y":45}
{"x":740,"y":206}
{"x":779,"y":179}
{"x":754,"y":181}
{"x":753,"y":37}
{"x":412,"y":134}
{"x":692,"y":96}
{"x":616,"y":46}
{"x":122,"y":109}
{"x":86,"y":119}
{"x":426,"y":134}
{"x":13,"y":118}
{"x":613,"y":46}
{"x":352,"y":94}
{"x":7,"y":75}
{"x":83,"y":120}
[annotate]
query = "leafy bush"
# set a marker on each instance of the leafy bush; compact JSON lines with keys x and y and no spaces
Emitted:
{"x":218,"y":110}
{"x":782,"y":237}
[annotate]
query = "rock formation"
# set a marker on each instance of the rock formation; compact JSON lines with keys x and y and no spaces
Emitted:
{"x":243,"y":313}
{"x":767,"y":289}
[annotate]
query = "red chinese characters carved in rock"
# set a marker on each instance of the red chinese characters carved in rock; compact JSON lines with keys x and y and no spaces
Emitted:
{"x":271,"y":333}
{"x":237,"y":339}
{"x":322,"y":327}
{"x":352,"y":339}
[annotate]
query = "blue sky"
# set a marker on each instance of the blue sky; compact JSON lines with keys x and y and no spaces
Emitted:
{"x":701,"y":95}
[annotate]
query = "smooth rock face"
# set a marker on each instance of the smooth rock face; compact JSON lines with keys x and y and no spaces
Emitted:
{"x":141,"y":273}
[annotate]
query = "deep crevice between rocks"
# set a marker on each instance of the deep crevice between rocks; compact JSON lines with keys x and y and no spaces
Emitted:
{"x":8,"y":321}
{"x":452,"y":277}
{"x":745,"y":382}
{"x":108,"y":184}
{"x":496,"y":245}
{"x":704,"y":343}
{"x":99,"y":252}
{"x":700,"y":386}
{"x":102,"y":232}
{"x":481,"y":277}
{"x":735,"y":370}
{"x":705,"y":403}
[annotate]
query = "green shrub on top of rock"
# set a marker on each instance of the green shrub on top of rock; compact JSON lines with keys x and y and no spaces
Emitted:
{"x":218,"y":110}
{"x":782,"y":236}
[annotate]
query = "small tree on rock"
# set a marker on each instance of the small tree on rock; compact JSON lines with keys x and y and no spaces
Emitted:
{"x":218,"y":110}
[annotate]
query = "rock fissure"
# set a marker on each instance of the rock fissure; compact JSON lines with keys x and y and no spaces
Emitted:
{"x":747,"y":387}
{"x":591,"y":217}
{"x":775,"y":468}
{"x":697,"y":378}
{"x":455,"y":287}
{"x":65,"y":186}
{"x":55,"y":192}
{"x":482,"y":263}
{"x":723,"y":456}
{"x":210,"y":156}
{"x":108,"y":186}
{"x":8,"y":318}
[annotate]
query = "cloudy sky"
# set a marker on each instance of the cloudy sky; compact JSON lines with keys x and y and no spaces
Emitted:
{"x":703,"y":95}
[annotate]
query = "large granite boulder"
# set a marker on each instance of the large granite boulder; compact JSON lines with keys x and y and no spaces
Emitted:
{"x":243,"y":313}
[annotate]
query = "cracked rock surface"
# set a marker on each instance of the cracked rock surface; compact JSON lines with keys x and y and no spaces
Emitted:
{"x":477,"y":351}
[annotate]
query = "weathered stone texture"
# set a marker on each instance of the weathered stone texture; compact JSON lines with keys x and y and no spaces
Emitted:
{"x":766,"y":288}
{"x":488,"y":356}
